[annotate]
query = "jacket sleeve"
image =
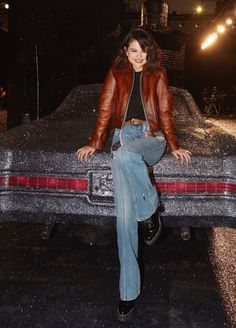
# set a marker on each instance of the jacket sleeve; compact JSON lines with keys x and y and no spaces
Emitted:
{"x":105,"y":105}
{"x":165,"y":111}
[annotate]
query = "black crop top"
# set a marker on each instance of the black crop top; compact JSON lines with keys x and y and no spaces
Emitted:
{"x":135,"y":109}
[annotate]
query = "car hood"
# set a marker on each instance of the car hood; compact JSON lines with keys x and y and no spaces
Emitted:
{"x":54,"y":139}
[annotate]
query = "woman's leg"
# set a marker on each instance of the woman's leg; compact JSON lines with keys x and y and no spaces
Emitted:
{"x":135,"y":199}
{"x":127,"y":237}
{"x":136,"y":155}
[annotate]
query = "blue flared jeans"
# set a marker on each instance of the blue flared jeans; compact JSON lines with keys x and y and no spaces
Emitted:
{"x":135,"y":196}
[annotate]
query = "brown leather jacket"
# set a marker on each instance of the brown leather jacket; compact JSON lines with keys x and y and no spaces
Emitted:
{"x":114,"y":100}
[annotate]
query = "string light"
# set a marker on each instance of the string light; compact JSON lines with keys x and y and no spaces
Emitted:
{"x":212,"y":38}
{"x":209,"y":41}
{"x":199,"y":9}
{"x":221,"y":28}
{"x":229,"y":21}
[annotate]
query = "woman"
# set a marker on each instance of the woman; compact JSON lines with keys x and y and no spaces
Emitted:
{"x":135,"y":97}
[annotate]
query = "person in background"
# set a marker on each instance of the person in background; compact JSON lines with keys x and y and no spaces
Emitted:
{"x":205,"y":100}
{"x":135,"y":97}
{"x":214,"y":102}
{"x":2,"y":97}
{"x":232,"y":101}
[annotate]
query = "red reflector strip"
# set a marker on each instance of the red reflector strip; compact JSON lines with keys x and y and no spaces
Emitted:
{"x":196,"y":187}
{"x":44,"y":182}
{"x":81,"y":184}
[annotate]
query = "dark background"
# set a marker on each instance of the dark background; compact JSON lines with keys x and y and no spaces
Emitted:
{"x":215,"y":66}
{"x":76,"y":41}
{"x":68,"y":36}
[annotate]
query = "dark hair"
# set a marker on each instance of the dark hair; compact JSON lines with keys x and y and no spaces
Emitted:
{"x":147,"y":44}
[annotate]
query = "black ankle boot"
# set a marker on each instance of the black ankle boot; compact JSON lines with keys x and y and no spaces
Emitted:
{"x":124,"y":310}
{"x":152,"y":228}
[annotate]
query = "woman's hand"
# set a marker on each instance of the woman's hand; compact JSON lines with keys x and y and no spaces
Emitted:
{"x":84,"y":152}
{"x":183,"y":155}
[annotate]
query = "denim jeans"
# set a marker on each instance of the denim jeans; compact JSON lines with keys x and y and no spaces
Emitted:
{"x":136,"y":198}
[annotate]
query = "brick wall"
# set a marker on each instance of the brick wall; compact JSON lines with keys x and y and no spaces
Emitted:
{"x":174,"y":60}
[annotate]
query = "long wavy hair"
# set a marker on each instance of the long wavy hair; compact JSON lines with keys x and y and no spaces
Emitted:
{"x":147,"y":44}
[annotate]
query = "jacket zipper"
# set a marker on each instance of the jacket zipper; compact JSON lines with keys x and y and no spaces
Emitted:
{"x":126,"y":110}
{"x":141,"y":95}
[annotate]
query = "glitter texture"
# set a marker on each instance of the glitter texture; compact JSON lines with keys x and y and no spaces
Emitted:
{"x":223,"y":258}
{"x":47,"y":148}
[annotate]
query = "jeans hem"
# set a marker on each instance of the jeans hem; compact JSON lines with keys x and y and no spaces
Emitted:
{"x":129,"y":298}
{"x":147,"y":217}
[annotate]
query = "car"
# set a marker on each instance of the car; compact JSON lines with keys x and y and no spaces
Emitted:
{"x":41,"y":179}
